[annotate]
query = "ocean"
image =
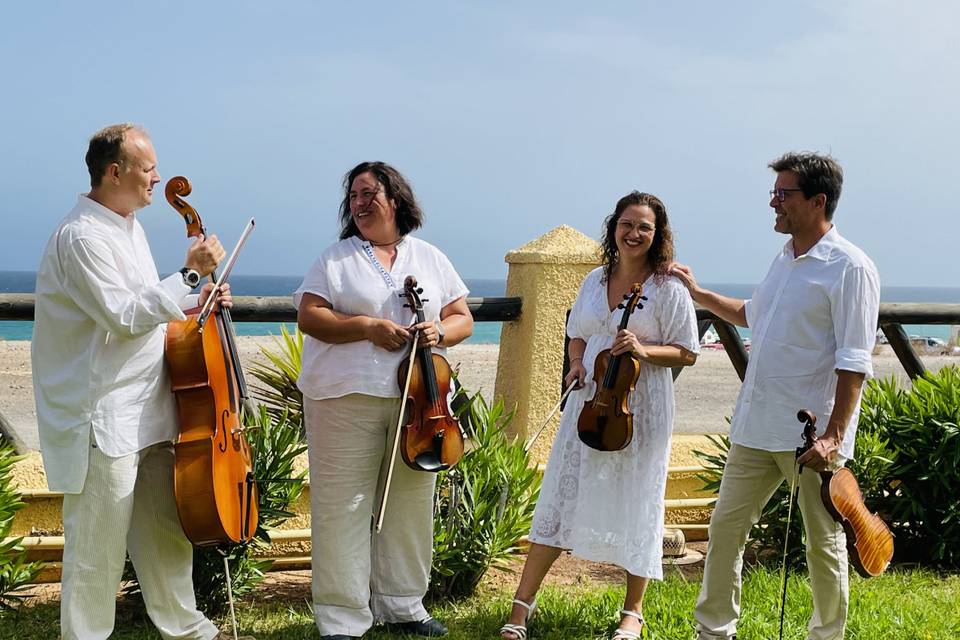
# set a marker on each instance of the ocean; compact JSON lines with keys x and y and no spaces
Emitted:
{"x":483,"y":332}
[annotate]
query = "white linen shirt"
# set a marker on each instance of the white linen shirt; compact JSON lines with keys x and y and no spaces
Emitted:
{"x":810,"y":316}
{"x":352,"y":280}
{"x":98,"y":339}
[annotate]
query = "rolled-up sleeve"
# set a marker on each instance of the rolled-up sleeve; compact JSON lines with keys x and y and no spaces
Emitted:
{"x":855,"y":309}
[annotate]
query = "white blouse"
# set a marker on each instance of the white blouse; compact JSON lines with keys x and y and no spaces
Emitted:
{"x":353,"y":281}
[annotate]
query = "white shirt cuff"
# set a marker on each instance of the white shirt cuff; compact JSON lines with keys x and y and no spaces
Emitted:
{"x":856,"y":360}
{"x":175,"y":289}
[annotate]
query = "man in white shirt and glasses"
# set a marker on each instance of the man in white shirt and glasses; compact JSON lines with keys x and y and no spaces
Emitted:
{"x":813,"y":322}
{"x":105,"y":412}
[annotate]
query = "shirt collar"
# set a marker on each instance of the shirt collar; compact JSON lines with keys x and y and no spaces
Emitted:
{"x":106,"y":214}
{"x":819,"y":251}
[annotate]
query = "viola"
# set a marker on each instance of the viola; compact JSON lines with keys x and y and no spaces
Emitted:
{"x":869,"y":540}
{"x":214,"y":483}
{"x":431,"y":437}
{"x":605,"y":422}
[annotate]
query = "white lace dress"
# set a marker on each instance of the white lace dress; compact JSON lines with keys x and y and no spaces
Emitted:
{"x":608,"y":506}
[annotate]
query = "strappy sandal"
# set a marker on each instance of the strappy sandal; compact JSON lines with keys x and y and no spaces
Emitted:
{"x":520,"y":630}
{"x":626,"y":634}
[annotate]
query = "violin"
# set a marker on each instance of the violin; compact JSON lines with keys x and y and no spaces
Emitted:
{"x":605,"y":422}
{"x":214,"y":483}
{"x":428,"y":433}
{"x":869,"y":540}
{"x":431,"y":437}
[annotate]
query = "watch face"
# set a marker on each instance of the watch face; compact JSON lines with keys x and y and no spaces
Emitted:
{"x":190,"y":277}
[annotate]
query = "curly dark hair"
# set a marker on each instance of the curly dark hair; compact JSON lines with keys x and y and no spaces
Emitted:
{"x":660,"y":254}
{"x":395,"y":187}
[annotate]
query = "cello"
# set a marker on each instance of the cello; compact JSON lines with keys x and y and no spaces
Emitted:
{"x":605,"y":421}
{"x":869,"y":540}
{"x":214,"y":484}
{"x":428,"y":436}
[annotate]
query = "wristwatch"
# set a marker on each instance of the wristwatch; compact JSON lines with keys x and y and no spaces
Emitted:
{"x":191,"y":278}
{"x":439,"y":326}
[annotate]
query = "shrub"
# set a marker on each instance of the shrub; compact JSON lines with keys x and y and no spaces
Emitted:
{"x":921,"y":482}
{"x":907,"y":463}
{"x":484,"y":505}
{"x":15,"y":571}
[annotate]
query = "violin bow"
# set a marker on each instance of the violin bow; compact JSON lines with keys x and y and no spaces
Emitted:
{"x":809,"y":434}
{"x":381,"y":510}
{"x":225,"y":273}
{"x":546,"y":421}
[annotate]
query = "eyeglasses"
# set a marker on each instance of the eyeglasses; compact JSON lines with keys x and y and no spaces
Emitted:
{"x":781,"y":194}
{"x":640,"y":227}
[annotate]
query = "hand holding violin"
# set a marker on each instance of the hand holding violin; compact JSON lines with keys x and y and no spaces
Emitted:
{"x":820,"y":456}
{"x":204,"y":254}
{"x":429,"y":333}
{"x":626,"y":342}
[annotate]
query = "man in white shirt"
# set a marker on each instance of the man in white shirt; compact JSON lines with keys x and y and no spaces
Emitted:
{"x":105,"y":412}
{"x":813,"y":323}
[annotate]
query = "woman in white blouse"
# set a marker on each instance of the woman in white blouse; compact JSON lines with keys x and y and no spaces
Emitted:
{"x":351,"y":309}
{"x":608,"y":506}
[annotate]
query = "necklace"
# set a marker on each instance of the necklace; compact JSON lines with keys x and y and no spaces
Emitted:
{"x":386,"y":244}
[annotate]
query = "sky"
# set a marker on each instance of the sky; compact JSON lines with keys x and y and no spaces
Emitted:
{"x":508,"y":118}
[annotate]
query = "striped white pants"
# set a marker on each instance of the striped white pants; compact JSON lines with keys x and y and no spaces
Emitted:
{"x":127,"y":506}
{"x":359,"y":577}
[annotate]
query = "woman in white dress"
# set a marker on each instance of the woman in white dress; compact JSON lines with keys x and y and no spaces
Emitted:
{"x":608,"y":506}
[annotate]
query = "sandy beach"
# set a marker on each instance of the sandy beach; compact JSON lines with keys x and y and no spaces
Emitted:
{"x":705,"y":393}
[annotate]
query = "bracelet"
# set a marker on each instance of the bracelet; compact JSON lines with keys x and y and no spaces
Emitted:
{"x":572,"y":360}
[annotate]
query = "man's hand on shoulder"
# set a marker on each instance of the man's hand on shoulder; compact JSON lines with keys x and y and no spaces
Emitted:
{"x":685,"y":275}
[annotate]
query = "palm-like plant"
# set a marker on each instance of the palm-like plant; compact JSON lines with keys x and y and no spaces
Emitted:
{"x":484,"y":505}
{"x":279,"y":392}
{"x":15,"y":571}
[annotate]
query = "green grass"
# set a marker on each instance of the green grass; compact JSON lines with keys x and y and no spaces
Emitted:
{"x":900,"y":605}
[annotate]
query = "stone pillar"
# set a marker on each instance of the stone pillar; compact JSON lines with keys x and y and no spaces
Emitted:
{"x":546,"y":273}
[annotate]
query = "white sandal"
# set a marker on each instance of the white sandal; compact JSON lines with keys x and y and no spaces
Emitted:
{"x":626,"y":634}
{"x":520,"y":630}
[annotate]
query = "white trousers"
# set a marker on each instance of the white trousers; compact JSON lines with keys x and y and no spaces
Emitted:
{"x":359,"y":576}
{"x":749,"y":480}
{"x":127,"y":506}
